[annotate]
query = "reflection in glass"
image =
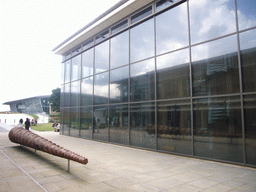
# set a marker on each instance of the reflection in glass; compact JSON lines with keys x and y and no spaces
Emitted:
{"x":67,"y":95}
{"x":75,"y":93}
{"x":143,"y":80}
{"x":76,"y":66}
{"x":86,"y":122}
{"x":87,"y":44}
{"x":164,"y":3}
{"x":102,"y":57}
{"x":119,"y":54}
{"x":173,"y":75}
{"x":102,"y":36}
{"x":119,"y":85}
{"x":248,"y":59}
{"x":100,"y":123}
{"x":246,"y":13}
{"x":118,"y":121}
{"x":174,"y":126}
{"x":62,"y":73}
{"x":87,"y":63}
{"x":66,"y":121}
{"x":211,"y":19}
{"x":67,"y":71}
{"x":86,"y":91}
{"x":62,"y":96}
{"x":218,"y":128}
{"x":101,"y":88}
{"x":142,"y":121}
{"x":142,"y":41}
{"x":76,"y":50}
{"x":215,"y":67}
{"x":172,"y":29}
{"x":119,"y":26}
{"x":142,"y":14}
{"x":74,"y":122}
{"x":250,"y":128}
{"x":61,"y":121}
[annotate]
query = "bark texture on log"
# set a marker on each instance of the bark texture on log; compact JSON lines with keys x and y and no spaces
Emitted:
{"x":29,"y":139}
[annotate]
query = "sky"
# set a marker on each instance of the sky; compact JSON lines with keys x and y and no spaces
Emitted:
{"x":30,"y":30}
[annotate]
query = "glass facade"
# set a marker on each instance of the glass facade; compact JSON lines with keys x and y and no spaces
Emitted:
{"x":176,"y":76}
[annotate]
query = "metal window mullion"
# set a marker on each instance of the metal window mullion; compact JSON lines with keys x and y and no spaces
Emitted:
{"x":241,"y":84}
{"x":129,"y":84}
{"x":93,"y":90}
{"x":156,"y":139}
{"x":109,"y":60}
{"x":191,"y":85}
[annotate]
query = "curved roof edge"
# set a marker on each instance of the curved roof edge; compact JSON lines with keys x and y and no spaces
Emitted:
{"x":43,"y":96}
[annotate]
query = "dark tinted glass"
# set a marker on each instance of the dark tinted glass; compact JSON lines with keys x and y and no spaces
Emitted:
{"x":86,"y":122}
{"x":119,"y":54}
{"x":76,"y":68}
{"x":174,"y":126}
{"x":173,"y":75}
{"x":142,"y":41}
{"x":246,"y":13}
{"x":102,"y":36}
{"x":119,"y":26}
{"x":248,"y":59}
{"x":250,"y":128}
{"x":102,"y":57}
{"x":87,"y":44}
{"x":87,"y":63}
{"x":66,"y":121}
{"x":164,"y":3}
{"x":119,"y":85}
{"x":100,"y":123}
{"x":172,"y":29}
{"x":67,"y":71}
{"x":215,"y":67}
{"x":67,"y":95}
{"x":75,"y":93}
{"x":146,"y":12}
{"x":218,"y":128}
{"x":74,"y":122}
{"x":143,"y":80}
{"x":118,"y":122}
{"x":211,"y":19}
{"x":87,"y":91}
{"x":101,"y":88}
{"x":142,"y":121}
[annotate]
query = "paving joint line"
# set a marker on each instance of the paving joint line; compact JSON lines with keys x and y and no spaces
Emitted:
{"x":23,"y":171}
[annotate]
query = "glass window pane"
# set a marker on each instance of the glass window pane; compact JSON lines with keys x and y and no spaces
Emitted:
{"x":218,"y":128}
{"x":101,"y":88}
{"x":67,"y":95}
{"x":67,"y":55}
{"x":67,"y":71}
{"x":66,"y":121}
{"x":143,"y":81}
{"x":62,"y":96}
{"x":87,"y":44}
{"x":119,"y":50}
{"x":77,"y":50}
{"x":119,"y":85}
{"x":75,"y":93}
{"x":76,"y":68}
{"x":172,"y":29}
{"x":86,"y":122}
{"x":100,"y":123}
{"x":173,"y":75}
{"x":74,"y":122}
{"x":215,"y":67}
{"x":87,"y":91}
{"x":142,"y":41}
{"x":62,"y":73}
{"x":211,"y":19}
{"x":118,"y":117}
{"x":102,"y":36}
{"x":119,"y":26}
{"x":248,"y":59}
{"x":142,"y":120}
{"x":102,"y":57}
{"x":164,"y":3}
{"x":246,"y":13}
{"x":250,"y":128}
{"x":146,"y":12}
{"x":87,"y":63}
{"x":174,"y":126}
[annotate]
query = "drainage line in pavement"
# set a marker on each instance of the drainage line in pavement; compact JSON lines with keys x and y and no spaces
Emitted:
{"x":23,"y":171}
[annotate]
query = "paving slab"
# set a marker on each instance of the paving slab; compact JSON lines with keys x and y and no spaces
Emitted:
{"x":114,"y":168}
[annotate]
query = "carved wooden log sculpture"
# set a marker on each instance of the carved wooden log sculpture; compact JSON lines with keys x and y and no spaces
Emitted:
{"x":29,"y":139}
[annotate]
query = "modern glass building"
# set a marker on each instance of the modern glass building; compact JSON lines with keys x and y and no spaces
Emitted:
{"x":176,"y":76}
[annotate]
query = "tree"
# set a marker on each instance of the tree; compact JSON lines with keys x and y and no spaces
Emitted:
{"x":55,"y":100}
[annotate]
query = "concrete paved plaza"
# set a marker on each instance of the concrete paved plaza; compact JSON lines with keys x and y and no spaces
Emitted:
{"x":114,"y":168}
